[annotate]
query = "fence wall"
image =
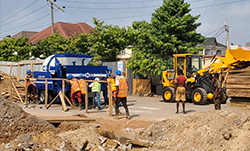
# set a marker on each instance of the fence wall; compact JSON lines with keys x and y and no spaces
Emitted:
{"x":5,"y":66}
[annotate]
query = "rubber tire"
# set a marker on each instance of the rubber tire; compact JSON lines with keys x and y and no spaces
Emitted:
{"x":171,"y":90}
{"x":224,"y":98}
{"x":42,"y":97}
{"x":203,"y":96}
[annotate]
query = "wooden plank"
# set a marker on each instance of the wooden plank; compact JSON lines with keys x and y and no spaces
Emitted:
{"x":52,"y":101}
{"x":46,"y":92}
{"x":58,"y":120}
{"x":26,"y":95}
{"x":238,"y":83}
{"x":110,"y":99}
{"x":238,"y":86}
{"x":64,"y":107}
{"x":31,"y":66}
{"x":17,"y":93}
{"x":10,"y":69}
{"x":1,"y":87}
{"x":238,"y":92}
{"x":10,"y":89}
{"x":18,"y":71}
{"x":237,"y":77}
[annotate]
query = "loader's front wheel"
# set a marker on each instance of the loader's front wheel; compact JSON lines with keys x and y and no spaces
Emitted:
{"x":199,"y":96}
{"x":168,"y":94}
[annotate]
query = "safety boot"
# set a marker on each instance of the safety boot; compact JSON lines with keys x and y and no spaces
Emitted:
{"x":74,"y":103}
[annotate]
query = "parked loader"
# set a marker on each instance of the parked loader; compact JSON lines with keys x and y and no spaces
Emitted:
{"x":200,"y":85}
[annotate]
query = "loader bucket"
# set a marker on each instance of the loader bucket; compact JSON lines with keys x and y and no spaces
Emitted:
{"x":237,"y":58}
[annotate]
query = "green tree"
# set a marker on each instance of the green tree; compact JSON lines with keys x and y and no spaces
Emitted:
{"x":14,"y":49}
{"x":82,"y":43}
{"x":106,"y":42}
{"x":172,"y":30}
{"x":54,"y":44}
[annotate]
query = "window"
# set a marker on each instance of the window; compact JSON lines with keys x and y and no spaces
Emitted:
{"x":219,"y":52}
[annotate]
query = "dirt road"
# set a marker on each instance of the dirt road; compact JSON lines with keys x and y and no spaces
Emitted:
{"x":141,"y":108}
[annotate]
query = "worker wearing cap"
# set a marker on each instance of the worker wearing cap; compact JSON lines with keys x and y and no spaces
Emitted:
{"x":31,"y":86}
{"x":96,"y":89}
{"x":75,"y":90}
{"x":121,"y":93}
{"x":82,"y":84}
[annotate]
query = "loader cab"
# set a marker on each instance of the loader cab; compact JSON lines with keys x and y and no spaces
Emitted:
{"x":189,"y":63}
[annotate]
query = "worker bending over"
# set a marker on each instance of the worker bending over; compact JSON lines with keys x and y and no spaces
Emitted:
{"x":31,"y":86}
{"x":75,"y":90}
{"x":180,"y":90}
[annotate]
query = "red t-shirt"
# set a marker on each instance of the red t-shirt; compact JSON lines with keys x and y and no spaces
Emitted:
{"x":180,"y":79}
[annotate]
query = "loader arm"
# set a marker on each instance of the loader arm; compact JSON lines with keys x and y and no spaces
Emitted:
{"x":234,"y":59}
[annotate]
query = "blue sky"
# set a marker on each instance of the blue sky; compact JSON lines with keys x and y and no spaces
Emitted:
{"x":34,"y":15}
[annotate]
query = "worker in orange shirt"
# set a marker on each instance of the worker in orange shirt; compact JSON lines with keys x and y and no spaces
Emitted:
{"x":31,"y":86}
{"x":75,"y":89}
{"x":82,"y":84}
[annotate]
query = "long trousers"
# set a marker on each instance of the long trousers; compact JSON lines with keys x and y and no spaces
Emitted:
{"x":124,"y":103}
{"x":78,"y":94}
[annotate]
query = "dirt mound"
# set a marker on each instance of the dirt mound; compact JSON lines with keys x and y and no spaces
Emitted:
{"x":216,"y":130}
{"x":15,"y":122}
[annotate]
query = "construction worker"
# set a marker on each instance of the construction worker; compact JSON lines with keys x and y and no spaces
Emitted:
{"x":104,"y":86}
{"x":75,"y":90}
{"x":217,"y":93}
{"x":96,"y":89}
{"x":180,"y":90}
{"x":82,"y":84}
{"x":121,"y":93}
{"x":111,"y":79}
{"x":31,"y":86}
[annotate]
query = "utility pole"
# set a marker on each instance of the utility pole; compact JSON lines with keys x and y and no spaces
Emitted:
{"x":227,"y":33}
{"x":52,"y":16}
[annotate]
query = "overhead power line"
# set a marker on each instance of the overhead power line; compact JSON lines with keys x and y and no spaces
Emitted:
{"x":226,"y":3}
{"x":217,"y":30}
{"x":19,"y":11}
{"x":121,"y":2}
{"x":24,"y":16}
{"x":112,"y":7}
{"x":27,"y":23}
{"x":114,"y":18}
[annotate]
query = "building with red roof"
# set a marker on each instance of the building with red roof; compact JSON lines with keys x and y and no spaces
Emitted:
{"x":64,"y":29}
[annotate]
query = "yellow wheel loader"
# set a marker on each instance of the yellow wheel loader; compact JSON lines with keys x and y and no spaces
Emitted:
{"x":200,"y":86}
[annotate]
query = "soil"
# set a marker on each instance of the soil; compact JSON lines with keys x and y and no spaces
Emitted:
{"x":214,"y":130}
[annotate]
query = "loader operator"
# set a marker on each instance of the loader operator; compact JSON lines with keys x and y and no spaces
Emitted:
{"x":180,"y":90}
{"x":217,"y":93}
{"x":31,"y":86}
{"x":75,"y":90}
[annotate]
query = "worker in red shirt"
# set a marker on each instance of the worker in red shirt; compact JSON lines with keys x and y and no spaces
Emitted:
{"x":180,"y":90}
